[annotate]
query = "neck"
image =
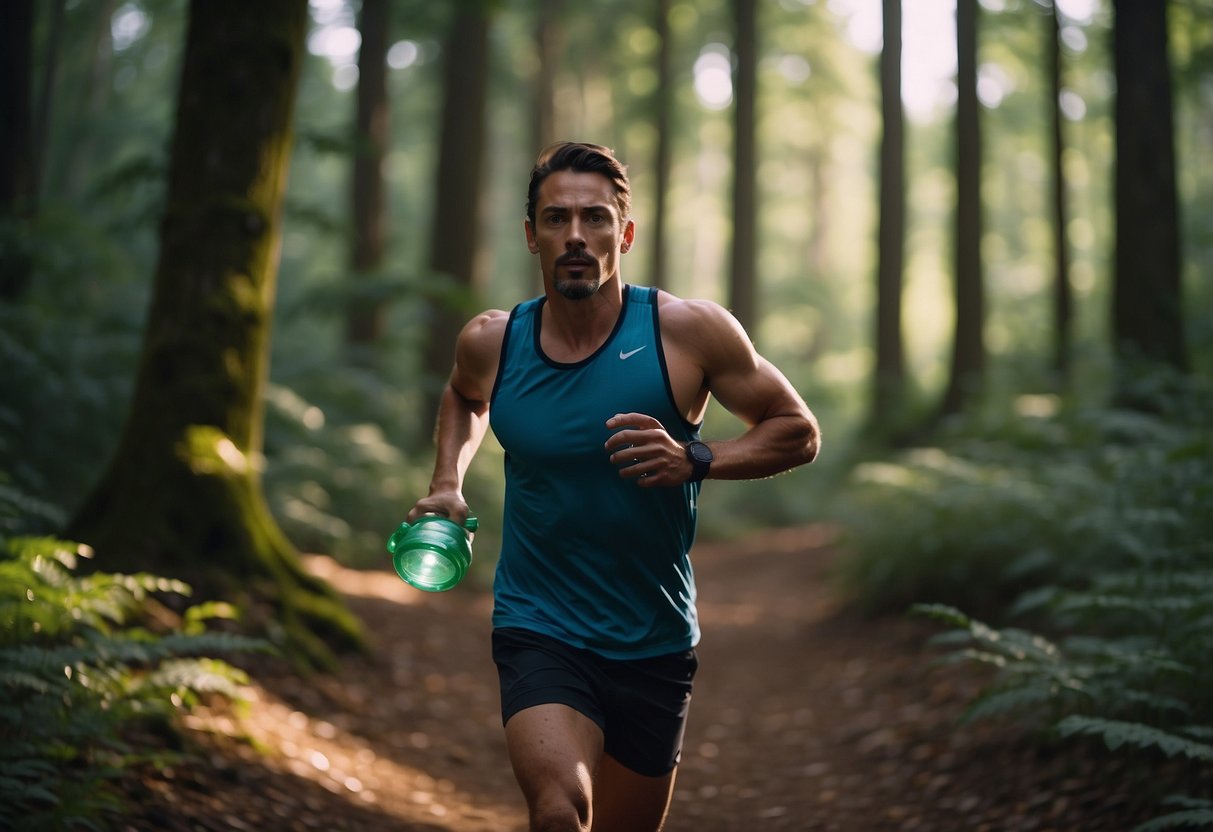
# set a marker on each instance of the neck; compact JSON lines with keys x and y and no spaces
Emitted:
{"x":578,"y":327}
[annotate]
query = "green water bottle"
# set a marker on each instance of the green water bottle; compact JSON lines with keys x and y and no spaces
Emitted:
{"x":434,"y":553}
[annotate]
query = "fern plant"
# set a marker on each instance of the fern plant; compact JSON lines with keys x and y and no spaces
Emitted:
{"x":1096,"y":527}
{"x":81,"y":679}
{"x":1132,"y":693}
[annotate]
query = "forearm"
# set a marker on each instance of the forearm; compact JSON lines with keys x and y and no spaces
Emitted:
{"x":772,"y":446}
{"x":461,"y":427}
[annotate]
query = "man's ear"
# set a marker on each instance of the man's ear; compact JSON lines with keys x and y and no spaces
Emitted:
{"x":530,"y":236}
{"x":629,"y":236}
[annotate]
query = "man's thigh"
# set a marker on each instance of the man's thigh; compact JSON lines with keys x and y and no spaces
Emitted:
{"x":554,"y":751}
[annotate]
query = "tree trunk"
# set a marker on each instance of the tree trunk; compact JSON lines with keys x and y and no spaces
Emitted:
{"x":78,"y":158}
{"x":1063,"y":293}
{"x":742,"y":284}
{"x":1147,"y":311}
{"x":968,"y":350}
{"x":663,"y":104}
{"x":182,"y":496}
{"x":46,"y":93}
{"x":890,"y":357}
{"x":17,"y":155}
{"x":548,"y":48}
{"x":367,"y":317}
{"x":455,"y":237}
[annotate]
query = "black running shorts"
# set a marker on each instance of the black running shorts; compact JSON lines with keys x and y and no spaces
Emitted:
{"x":640,"y":704}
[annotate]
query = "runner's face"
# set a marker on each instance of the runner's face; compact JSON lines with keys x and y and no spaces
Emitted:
{"x":578,"y":232}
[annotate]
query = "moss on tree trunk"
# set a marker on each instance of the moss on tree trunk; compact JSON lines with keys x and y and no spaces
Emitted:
{"x":183,"y":494}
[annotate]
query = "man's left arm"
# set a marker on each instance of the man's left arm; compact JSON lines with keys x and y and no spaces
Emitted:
{"x":781,"y":431}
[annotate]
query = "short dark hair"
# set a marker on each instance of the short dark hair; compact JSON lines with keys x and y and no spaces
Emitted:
{"x":581,"y":157}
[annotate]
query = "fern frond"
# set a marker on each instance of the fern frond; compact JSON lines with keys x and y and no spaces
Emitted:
{"x":1199,"y":732}
{"x":1187,"y":801}
{"x":1010,"y":700}
{"x":19,"y":680}
{"x":188,"y":644}
{"x":1116,"y":733}
{"x":1186,"y":819}
{"x":942,"y":612}
{"x":198,"y":676}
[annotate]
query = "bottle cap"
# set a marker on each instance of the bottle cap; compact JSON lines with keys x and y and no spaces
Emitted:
{"x":432,"y":554}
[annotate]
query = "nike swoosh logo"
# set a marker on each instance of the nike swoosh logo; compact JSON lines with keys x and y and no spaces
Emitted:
{"x":624,"y":356}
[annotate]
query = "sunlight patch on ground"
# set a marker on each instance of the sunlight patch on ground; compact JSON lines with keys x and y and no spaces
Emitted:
{"x":346,"y":764}
{"x":361,"y":583}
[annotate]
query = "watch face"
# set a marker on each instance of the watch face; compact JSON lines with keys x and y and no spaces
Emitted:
{"x":700,"y":452}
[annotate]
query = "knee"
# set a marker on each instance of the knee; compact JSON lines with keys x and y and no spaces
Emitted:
{"x":562,"y":811}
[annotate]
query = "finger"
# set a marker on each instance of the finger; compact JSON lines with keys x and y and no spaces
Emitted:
{"x":646,"y":479}
{"x":636,"y":420}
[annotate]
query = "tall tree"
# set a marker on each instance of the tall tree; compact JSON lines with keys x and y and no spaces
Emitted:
{"x":1063,"y":293}
{"x":182,"y":495}
{"x":93,"y":96}
{"x":968,"y":348}
{"x":549,"y":45}
{"x":1147,"y":313}
{"x":17,"y":152}
{"x":890,"y":355}
{"x":743,"y":288}
{"x":367,"y":317}
{"x":454,"y":239}
{"x":663,"y":105}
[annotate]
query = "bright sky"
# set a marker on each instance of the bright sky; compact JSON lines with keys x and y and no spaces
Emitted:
{"x":928,"y":59}
{"x":928,"y":65}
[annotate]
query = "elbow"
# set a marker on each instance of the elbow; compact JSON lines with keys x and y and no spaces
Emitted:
{"x":810,"y":444}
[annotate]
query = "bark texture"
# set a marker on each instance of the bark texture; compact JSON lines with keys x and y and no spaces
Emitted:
{"x":183,"y":496}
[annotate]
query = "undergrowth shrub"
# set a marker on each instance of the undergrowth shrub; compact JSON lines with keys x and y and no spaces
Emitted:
{"x":87,"y":689}
{"x":1093,"y":530}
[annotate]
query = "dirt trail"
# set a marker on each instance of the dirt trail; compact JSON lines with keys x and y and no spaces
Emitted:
{"x":805,"y":717}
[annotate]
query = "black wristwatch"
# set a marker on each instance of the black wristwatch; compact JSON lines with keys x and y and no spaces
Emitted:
{"x":701,"y":460}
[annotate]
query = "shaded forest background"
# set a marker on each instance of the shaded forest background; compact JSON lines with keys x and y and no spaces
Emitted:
{"x":981,"y":252}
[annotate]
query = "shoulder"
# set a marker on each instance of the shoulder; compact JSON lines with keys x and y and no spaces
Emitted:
{"x":701,"y":326}
{"x":487,"y":326}
{"x":482,"y":335}
{"x":478,"y":352}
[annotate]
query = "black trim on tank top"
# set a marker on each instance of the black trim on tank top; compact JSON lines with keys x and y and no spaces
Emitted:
{"x":691,"y":427}
{"x":505,"y":345}
{"x":559,"y":365}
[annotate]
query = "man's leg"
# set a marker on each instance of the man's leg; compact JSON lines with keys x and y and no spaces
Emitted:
{"x":625,"y":801}
{"x":554,"y":751}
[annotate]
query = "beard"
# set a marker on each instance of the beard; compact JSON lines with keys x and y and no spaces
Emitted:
{"x":575,"y":289}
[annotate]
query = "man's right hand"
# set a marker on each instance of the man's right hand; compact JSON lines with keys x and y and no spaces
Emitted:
{"x":449,"y":504}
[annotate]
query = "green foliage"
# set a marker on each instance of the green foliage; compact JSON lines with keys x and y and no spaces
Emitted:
{"x":1036,"y":498}
{"x":1116,"y":733}
{"x":1133,"y":692}
{"x":85,"y":685}
{"x":1095,"y":526}
{"x":1194,"y":814}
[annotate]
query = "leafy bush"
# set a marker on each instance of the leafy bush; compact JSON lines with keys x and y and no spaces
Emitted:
{"x":1097,"y":528}
{"x":1055,"y":499}
{"x":1136,"y":692}
{"x":85,"y":687}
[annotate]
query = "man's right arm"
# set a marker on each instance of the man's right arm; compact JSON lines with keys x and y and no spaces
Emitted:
{"x":463,"y":415}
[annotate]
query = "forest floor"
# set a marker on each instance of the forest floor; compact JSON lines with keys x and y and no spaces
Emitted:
{"x":806,"y":716}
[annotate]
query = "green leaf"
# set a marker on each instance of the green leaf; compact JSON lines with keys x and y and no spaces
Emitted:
{"x":1187,"y":819}
{"x":1116,"y":733}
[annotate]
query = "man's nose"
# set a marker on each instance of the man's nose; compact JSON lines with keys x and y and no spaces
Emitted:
{"x":575,"y":238}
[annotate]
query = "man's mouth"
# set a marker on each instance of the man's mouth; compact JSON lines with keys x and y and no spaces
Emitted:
{"x":573,"y":262}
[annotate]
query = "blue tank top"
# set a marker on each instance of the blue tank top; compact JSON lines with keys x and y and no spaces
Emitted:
{"x":587,"y":557}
